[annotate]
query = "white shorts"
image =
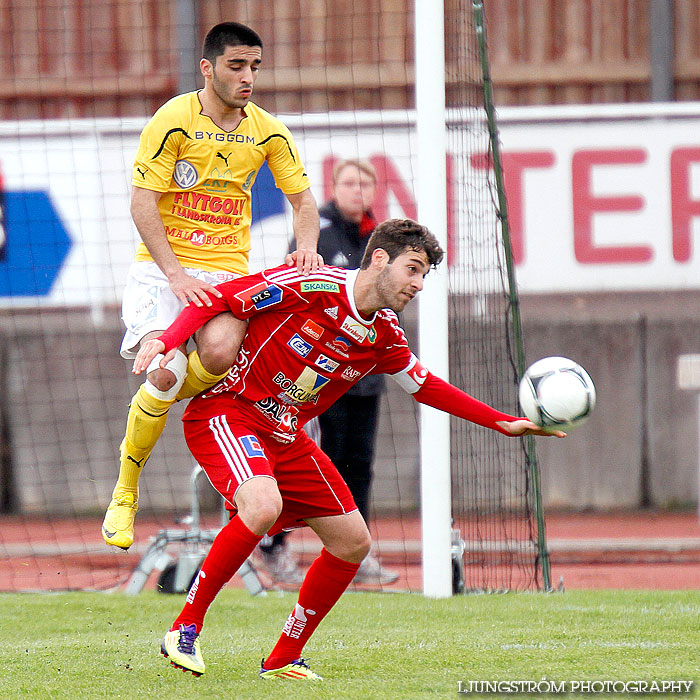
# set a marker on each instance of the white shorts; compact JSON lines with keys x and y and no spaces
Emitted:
{"x":149,"y":304}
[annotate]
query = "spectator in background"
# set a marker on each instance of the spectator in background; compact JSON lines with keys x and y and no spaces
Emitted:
{"x":349,"y":426}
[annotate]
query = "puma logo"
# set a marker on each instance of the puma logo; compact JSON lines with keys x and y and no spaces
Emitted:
{"x":138,"y":463}
{"x":219,"y":154}
{"x":142,"y":172}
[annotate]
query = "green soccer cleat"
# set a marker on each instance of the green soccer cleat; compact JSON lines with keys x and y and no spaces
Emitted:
{"x":181,"y":646}
{"x":118,"y":525}
{"x":297,"y":671}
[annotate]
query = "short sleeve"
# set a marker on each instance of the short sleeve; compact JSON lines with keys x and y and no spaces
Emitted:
{"x":158,"y":151}
{"x":285,"y":162}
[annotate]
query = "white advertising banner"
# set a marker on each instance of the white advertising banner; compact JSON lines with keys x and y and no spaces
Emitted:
{"x":599,"y":198}
{"x":604,"y":204}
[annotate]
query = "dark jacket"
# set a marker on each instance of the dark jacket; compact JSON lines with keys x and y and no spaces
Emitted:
{"x":342,"y":243}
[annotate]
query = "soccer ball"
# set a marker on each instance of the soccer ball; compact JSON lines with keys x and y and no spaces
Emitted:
{"x":557,"y":394}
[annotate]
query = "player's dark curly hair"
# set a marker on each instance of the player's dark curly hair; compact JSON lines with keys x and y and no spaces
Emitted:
{"x":396,"y":236}
{"x":228,"y":34}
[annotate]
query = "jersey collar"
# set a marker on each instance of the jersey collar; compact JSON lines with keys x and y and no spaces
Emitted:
{"x":350,"y":279}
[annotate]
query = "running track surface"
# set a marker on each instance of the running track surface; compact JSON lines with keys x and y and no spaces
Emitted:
{"x":643,"y":550}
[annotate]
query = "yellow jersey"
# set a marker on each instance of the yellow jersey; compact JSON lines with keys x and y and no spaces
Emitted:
{"x":206,"y":173}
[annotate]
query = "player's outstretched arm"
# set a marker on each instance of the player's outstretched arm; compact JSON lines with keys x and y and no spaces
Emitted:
{"x":444,"y":396}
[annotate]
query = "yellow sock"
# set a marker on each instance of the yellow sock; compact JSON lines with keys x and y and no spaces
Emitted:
{"x":145,"y":423}
{"x":197,"y":379}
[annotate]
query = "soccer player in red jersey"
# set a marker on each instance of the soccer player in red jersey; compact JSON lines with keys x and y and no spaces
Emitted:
{"x":309,"y":339}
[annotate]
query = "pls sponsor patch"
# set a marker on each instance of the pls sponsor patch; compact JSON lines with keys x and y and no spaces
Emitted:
{"x":260,"y":296}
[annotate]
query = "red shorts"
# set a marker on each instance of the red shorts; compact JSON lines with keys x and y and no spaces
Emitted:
{"x":231,"y":446}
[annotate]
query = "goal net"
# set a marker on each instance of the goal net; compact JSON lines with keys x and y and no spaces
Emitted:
{"x":493,"y":480}
{"x":340,"y":77}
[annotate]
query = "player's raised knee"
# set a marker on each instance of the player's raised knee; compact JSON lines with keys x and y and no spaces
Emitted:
{"x":217,"y":359}
{"x":218,"y":342}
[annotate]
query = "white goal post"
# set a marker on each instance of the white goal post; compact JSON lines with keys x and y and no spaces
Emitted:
{"x":431,"y":199}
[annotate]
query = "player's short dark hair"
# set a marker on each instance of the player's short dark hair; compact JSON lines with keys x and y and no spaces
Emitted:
{"x":396,"y":236}
{"x":228,"y":34}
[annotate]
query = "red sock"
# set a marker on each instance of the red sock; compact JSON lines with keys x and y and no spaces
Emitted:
{"x":231,"y":547}
{"x":324,"y":583}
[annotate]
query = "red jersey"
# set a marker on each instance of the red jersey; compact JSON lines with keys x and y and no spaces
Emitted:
{"x":306,"y":345}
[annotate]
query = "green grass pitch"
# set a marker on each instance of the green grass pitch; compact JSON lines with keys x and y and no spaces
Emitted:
{"x":403,"y":646}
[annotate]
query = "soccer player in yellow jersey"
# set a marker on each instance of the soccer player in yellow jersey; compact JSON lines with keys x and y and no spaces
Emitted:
{"x":196,"y":163}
